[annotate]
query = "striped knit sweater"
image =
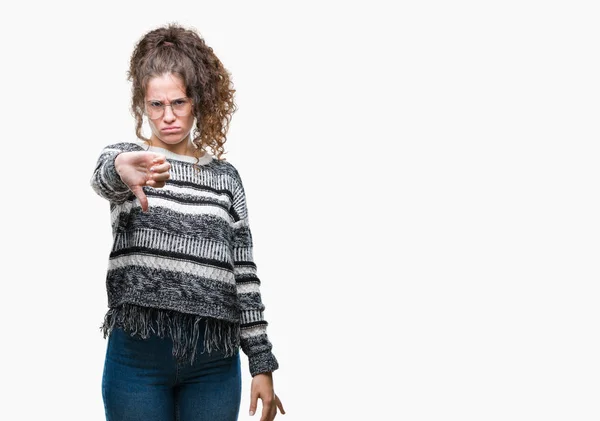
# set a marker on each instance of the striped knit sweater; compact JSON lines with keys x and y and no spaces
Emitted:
{"x":187,"y":259}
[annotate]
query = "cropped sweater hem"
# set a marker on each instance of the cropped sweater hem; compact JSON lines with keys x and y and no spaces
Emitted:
{"x":182,"y":328}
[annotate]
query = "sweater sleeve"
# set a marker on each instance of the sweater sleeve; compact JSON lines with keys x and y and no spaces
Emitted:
{"x":105,"y":180}
{"x":253,"y":332}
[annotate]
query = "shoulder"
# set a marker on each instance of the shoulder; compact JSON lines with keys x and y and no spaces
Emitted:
{"x":130,"y":146}
{"x":226,"y":168}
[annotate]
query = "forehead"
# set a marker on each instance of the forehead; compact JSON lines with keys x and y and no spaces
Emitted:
{"x":167,"y":85}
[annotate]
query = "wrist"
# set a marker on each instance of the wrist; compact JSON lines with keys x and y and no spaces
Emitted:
{"x":266,"y":373}
{"x":118,"y":161}
{"x":117,"y":165}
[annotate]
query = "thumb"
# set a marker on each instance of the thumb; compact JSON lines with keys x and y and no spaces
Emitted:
{"x":253,"y":401}
{"x":139,"y":193}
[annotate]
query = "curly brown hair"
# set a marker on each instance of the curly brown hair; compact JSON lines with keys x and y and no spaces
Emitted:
{"x":183,"y":52}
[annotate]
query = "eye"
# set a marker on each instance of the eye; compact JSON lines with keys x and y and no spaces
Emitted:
{"x":155,"y":104}
{"x":179,"y":102}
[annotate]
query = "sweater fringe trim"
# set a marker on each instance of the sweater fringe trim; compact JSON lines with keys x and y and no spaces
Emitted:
{"x":182,"y":328}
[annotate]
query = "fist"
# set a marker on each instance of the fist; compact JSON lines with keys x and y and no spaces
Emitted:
{"x":139,"y":169}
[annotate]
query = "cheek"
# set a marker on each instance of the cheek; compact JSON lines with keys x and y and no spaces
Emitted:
{"x":153,"y":127}
{"x":190,"y":122}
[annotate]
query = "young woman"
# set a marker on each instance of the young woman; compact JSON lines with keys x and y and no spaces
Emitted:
{"x":182,"y":286}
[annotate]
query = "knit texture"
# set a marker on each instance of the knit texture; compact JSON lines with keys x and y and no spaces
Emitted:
{"x":188,"y":258}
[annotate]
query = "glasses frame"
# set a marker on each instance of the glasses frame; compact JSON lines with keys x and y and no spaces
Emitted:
{"x":163,"y":106}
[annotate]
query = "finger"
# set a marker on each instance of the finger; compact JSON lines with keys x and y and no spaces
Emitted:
{"x":159,"y":168}
{"x":268,"y":410}
{"x":139,"y":193}
{"x":279,"y":405}
{"x":155,"y":184}
{"x":253,"y":402}
{"x":158,"y":159}
{"x":159,"y":184}
{"x":159,"y":176}
{"x":268,"y":413}
{"x":265,"y":414}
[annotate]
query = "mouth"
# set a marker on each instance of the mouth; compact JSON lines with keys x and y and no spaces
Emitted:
{"x":170,"y":129}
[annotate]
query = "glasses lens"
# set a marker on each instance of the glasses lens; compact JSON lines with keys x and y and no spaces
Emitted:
{"x":181,"y":107}
{"x":154,"y":110}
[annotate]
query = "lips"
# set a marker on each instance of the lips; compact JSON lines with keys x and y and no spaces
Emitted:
{"x":170,"y":129}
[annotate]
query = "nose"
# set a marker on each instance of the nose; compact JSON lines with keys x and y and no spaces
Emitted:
{"x":169,"y":115}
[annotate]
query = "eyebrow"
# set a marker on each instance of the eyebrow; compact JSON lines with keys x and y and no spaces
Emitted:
{"x":159,"y":100}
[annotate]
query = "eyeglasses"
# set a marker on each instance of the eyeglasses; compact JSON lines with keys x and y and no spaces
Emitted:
{"x":181,"y":107}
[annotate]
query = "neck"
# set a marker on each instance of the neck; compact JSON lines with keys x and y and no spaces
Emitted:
{"x":184,"y":147}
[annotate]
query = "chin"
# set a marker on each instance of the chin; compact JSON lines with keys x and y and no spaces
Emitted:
{"x":171,"y":139}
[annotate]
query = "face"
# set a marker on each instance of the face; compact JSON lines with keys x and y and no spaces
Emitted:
{"x":170,"y":131}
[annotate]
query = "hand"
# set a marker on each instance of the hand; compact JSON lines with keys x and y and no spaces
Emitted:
{"x":138,"y":169}
{"x":262,"y":387}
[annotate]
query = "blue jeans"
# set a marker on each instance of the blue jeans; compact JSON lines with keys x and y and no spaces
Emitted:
{"x":142,"y":381}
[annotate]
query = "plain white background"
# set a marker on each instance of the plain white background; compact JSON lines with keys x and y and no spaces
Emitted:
{"x":422,"y":183}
